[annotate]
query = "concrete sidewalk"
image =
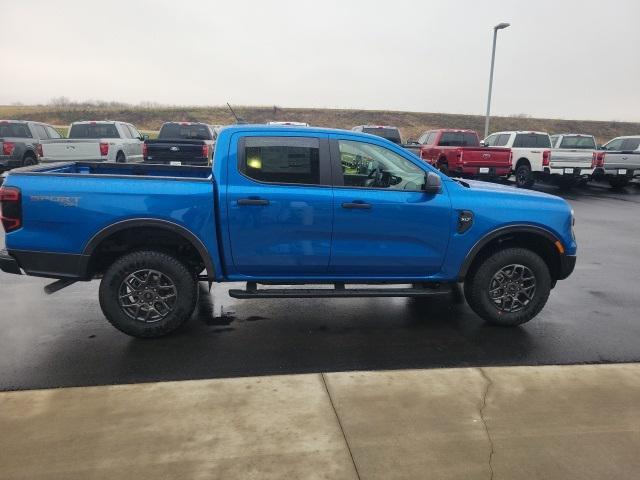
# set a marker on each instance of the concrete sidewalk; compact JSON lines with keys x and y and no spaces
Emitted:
{"x":564,"y":422}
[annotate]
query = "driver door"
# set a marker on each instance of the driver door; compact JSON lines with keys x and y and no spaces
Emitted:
{"x":385,"y":225}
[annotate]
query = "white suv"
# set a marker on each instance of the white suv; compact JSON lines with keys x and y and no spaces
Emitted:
{"x":530,"y":154}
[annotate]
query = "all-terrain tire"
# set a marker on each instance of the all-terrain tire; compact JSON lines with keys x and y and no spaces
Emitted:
{"x":122,"y":313}
{"x":29,"y":160}
{"x":480,"y":281}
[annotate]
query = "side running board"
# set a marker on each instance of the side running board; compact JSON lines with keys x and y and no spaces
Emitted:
{"x":339,"y":291}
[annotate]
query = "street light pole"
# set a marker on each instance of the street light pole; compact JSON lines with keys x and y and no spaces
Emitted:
{"x":500,"y":26}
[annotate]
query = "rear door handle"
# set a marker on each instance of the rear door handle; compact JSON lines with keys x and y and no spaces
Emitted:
{"x":357,"y":205}
{"x":253,"y":201}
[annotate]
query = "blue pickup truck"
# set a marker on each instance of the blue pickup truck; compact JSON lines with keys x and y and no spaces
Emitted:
{"x":329,"y":213}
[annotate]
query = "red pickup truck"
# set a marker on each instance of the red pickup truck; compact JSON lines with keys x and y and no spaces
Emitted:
{"x":458,"y":152}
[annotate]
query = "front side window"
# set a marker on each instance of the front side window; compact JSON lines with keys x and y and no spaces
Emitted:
{"x":282,"y":160}
{"x":371,"y":166}
{"x":614,"y":144}
{"x":490,"y":141}
{"x":53,"y":133}
{"x":630,"y":144}
{"x":134,"y":132}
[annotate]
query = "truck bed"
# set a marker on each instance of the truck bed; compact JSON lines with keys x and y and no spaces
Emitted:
{"x":139,"y":170}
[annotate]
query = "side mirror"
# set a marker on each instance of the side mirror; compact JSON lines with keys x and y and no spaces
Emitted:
{"x":432,"y":183}
{"x":483,"y":143}
{"x":145,"y":137}
{"x":601,"y":147}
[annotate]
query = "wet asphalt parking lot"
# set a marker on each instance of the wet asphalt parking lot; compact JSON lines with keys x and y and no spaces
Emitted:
{"x":593,"y":317}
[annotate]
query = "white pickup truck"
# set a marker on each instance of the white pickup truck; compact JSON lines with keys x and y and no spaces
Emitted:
{"x":531,"y":154}
{"x":572,"y":160}
{"x":103,"y":141}
{"x":618,"y":161}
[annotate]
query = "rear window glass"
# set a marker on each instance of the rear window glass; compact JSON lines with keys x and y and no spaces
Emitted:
{"x":185,"y":132}
{"x":391,"y":134}
{"x":532,"y":140}
{"x":94,"y":130}
{"x":578,"y":142}
{"x":458,"y":139}
{"x":19,"y":130}
{"x":282,"y":160}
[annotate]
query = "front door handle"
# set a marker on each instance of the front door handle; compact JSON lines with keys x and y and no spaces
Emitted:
{"x":253,"y":201}
{"x":357,"y":205}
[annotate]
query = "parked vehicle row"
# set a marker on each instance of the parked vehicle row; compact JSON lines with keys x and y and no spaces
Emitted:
{"x":21,"y":142}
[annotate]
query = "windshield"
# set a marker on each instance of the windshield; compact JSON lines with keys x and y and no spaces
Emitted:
{"x":578,"y":142}
{"x":391,"y":134}
{"x":93,"y":130}
{"x":188,"y":131}
{"x":458,"y":139}
{"x":19,"y":130}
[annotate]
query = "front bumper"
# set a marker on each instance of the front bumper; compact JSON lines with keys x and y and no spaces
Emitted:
{"x":8,"y":264}
{"x":567,"y":265}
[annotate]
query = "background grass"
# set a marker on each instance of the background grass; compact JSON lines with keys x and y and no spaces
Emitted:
{"x":411,"y":124}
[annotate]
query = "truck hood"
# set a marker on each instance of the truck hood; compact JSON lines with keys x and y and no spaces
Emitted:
{"x":477,"y":185}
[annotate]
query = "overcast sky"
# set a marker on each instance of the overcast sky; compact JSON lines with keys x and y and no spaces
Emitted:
{"x":562,"y":59}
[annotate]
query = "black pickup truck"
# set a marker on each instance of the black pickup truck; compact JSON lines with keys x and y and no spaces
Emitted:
{"x":21,"y":142}
{"x":181,"y":143}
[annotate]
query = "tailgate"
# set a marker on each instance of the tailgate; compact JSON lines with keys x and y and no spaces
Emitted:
{"x":178,"y":151}
{"x":71,"y":150}
{"x":486,"y":157}
{"x":571,"y":158}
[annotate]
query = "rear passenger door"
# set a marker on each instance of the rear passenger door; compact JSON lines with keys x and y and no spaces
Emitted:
{"x":279,"y":206}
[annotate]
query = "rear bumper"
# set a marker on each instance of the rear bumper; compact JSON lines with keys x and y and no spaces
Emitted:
{"x":8,"y":264}
{"x":488,"y":171}
{"x":9,"y":162}
{"x":567,"y":265}
{"x":201,"y":162}
{"x":571,"y":171}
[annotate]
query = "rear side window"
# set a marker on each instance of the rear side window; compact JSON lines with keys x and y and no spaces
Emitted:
{"x":578,"y":142}
{"x":391,"y":134}
{"x":458,"y":139}
{"x":40,"y":131}
{"x":18,"y":130}
{"x":94,"y":130}
{"x":185,"y":131}
{"x":532,"y":140}
{"x":281,"y":160}
{"x":630,"y":144}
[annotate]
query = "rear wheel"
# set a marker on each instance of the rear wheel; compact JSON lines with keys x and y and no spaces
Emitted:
{"x":524,"y":176}
{"x":443,"y":167}
{"x":618,"y":182}
{"x":148,"y":294}
{"x":120,"y":158}
{"x":29,"y":160}
{"x":509,"y":288}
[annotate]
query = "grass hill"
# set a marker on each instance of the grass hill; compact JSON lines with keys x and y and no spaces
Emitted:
{"x":412,"y":124}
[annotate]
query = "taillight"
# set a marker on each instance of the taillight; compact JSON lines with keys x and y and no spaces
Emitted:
{"x":546,"y":156}
{"x":598,"y":159}
{"x":8,"y":147}
{"x":104,"y":149}
{"x":145,"y":150}
{"x":39,"y":149}
{"x":10,"y":208}
{"x":205,"y":151}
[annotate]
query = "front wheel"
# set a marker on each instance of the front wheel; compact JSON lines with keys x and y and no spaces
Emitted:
{"x":148,"y":294}
{"x":509,"y":288}
{"x":524,"y":176}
